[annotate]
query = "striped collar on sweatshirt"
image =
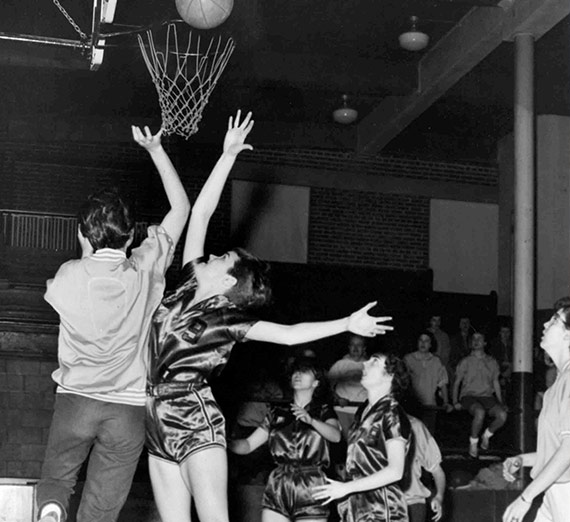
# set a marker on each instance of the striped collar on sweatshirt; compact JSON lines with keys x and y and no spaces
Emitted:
{"x":108,"y":255}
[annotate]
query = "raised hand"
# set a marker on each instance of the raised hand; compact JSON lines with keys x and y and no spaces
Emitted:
{"x":301,"y":414}
{"x":237,"y":133}
{"x":362,"y":323}
{"x":146,"y":139}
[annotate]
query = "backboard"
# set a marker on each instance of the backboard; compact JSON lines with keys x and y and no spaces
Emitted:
{"x":59,"y":20}
{"x":103,"y":13}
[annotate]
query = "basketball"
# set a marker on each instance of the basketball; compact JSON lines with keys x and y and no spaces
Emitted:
{"x":204,"y":14}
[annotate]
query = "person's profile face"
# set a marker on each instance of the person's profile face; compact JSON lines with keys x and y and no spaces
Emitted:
{"x":216,"y":268}
{"x":374,"y":371}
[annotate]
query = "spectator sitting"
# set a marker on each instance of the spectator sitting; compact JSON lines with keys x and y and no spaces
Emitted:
{"x":427,"y":375}
{"x":501,"y":348}
{"x":478,"y":377}
{"x":346,"y":373}
{"x":442,"y":347}
{"x":253,"y":410}
{"x":425,"y":455}
{"x":344,"y":376}
{"x":251,"y":413}
{"x":460,"y":343}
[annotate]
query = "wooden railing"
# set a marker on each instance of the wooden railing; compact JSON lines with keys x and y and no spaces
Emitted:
{"x":25,"y":229}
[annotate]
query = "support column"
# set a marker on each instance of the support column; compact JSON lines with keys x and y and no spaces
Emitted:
{"x":524,"y":239}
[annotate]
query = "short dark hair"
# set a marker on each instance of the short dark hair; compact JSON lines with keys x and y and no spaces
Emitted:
{"x":106,"y":220}
{"x":309,"y":364}
{"x":432,"y":339}
{"x":253,"y":287}
{"x":564,"y":304}
{"x":399,"y":371}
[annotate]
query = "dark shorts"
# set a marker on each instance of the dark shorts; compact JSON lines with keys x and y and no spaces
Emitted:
{"x":178,"y":427}
{"x":486,"y":403}
{"x":288,"y":492}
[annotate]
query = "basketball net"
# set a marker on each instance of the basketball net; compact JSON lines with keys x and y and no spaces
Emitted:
{"x":184,"y":77}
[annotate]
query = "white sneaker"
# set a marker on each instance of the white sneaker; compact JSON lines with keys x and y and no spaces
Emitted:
{"x":473,"y":450}
{"x":51,"y":512}
{"x":50,"y":517}
{"x":484,"y":443}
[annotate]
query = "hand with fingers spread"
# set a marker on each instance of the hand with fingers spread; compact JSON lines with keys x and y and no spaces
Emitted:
{"x":237,"y":134}
{"x":362,"y":323}
{"x":146,"y":139}
{"x":330,"y":491}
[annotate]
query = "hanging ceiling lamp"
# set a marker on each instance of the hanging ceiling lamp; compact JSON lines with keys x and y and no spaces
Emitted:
{"x":413,"y":40}
{"x":345,"y":114}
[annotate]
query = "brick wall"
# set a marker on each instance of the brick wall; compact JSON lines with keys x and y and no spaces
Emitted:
{"x":370,"y":229}
{"x":26,"y":401}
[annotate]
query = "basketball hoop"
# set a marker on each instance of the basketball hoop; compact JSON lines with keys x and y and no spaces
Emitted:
{"x":184,"y":77}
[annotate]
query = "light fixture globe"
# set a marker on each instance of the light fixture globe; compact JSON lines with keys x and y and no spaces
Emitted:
{"x":345,"y":114}
{"x":413,"y":40}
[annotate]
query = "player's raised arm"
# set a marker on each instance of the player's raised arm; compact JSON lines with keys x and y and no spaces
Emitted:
{"x":209,"y":196}
{"x":175,"y":219}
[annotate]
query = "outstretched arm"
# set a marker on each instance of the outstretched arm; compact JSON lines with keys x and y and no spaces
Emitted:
{"x":245,"y":446}
{"x":176,"y":218}
{"x":209,"y":196}
{"x":360,"y":322}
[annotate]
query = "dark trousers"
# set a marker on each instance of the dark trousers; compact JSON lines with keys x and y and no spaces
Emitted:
{"x":114,"y":433}
{"x":417,"y":512}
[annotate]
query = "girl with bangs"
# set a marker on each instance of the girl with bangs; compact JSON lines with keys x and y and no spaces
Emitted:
{"x":298,"y":435}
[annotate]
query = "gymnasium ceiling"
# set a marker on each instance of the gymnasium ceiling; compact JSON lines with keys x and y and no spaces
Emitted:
{"x":295,"y":58}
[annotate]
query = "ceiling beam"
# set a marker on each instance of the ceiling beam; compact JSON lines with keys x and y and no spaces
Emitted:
{"x":341,"y":74}
{"x":55,"y":56}
{"x":460,"y":50}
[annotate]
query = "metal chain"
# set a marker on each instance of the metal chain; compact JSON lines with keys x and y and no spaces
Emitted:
{"x":70,"y":20}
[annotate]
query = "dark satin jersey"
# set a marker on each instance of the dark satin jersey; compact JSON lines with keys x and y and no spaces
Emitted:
{"x":367,"y":452}
{"x":295,"y":442}
{"x":188,"y":342}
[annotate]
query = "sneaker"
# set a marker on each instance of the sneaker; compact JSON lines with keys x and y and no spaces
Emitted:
{"x":473,"y":450}
{"x":51,"y":513}
{"x":50,"y":517}
{"x":484,"y":443}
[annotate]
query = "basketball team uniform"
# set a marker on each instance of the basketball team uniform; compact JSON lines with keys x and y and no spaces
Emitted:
{"x":300,"y":453}
{"x":366,"y":454}
{"x":188,"y":343}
